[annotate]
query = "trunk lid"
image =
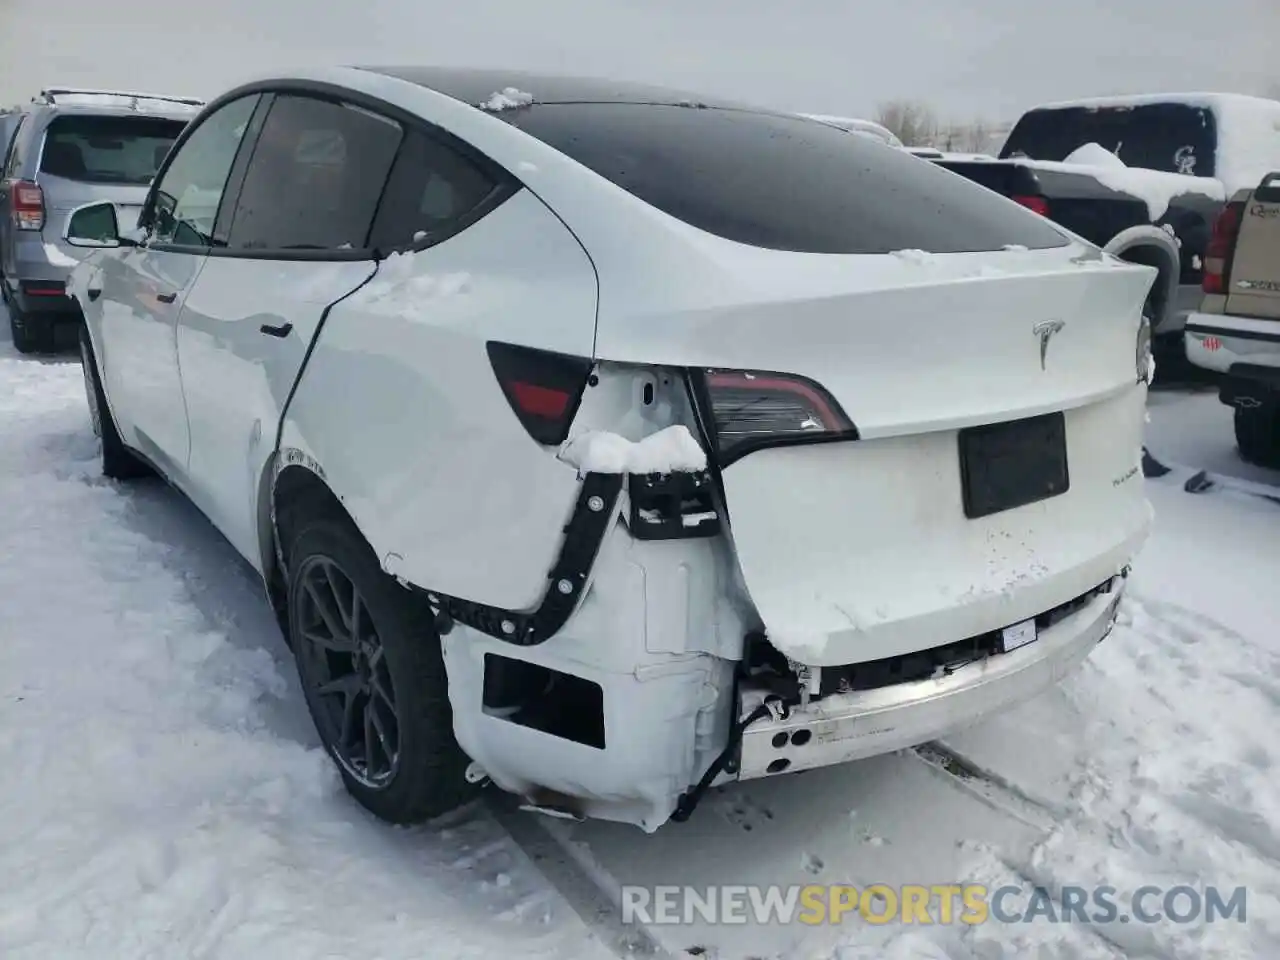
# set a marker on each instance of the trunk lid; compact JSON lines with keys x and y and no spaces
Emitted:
{"x":859,"y":550}
{"x":1254,"y":289}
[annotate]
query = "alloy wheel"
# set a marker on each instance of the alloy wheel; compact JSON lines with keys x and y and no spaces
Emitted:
{"x":344,"y":669}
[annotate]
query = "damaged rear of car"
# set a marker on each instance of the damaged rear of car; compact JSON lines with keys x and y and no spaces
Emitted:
{"x":726,"y":445}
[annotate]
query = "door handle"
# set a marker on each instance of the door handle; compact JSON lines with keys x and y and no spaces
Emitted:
{"x":280,"y":331}
{"x":167,"y":297}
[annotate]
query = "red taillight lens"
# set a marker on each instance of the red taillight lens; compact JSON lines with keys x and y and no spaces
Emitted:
{"x":543,"y":388}
{"x":1035,"y":204}
{"x":26,"y":201}
{"x":1222,"y":244}
{"x":754,"y":409}
{"x":27,"y":205}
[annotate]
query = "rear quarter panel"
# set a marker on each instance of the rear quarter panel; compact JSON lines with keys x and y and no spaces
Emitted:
{"x":399,"y":407}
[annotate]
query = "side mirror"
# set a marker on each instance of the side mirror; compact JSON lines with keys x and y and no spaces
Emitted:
{"x":94,"y":225}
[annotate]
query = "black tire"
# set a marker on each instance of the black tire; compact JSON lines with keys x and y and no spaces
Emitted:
{"x":30,"y":334}
{"x":1258,"y":434}
{"x":427,"y":777}
{"x":118,"y":462}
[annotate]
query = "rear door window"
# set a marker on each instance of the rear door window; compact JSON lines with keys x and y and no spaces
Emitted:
{"x":104,"y":149}
{"x":434,"y":192}
{"x":317,"y":173}
{"x":1170,"y":137}
{"x":782,"y":182}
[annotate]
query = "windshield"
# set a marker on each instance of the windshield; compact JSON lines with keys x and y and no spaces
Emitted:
{"x":97,"y":149}
{"x":1172,"y":137}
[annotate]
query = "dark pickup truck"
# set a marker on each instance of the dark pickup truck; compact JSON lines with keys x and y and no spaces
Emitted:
{"x":1147,"y":186}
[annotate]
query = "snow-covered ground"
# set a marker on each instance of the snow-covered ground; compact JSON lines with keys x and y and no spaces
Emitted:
{"x":164,"y":796}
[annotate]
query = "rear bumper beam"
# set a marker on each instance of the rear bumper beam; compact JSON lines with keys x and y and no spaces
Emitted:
{"x":854,"y":726}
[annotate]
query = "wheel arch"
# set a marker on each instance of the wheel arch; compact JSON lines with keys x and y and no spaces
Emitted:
{"x":289,"y":485}
{"x":1152,"y":247}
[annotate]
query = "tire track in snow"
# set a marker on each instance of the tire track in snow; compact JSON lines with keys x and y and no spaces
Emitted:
{"x":584,"y":884}
{"x":990,"y":787}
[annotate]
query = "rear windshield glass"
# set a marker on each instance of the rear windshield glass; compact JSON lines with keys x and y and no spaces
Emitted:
{"x":780,"y":182}
{"x":122,"y":150}
{"x":1172,"y":137}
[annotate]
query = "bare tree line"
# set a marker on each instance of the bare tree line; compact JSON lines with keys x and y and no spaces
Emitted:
{"x":917,"y":125}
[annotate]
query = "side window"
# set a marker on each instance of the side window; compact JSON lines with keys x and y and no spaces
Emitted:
{"x":187,"y":196}
{"x":317,"y":172}
{"x":431,"y":191}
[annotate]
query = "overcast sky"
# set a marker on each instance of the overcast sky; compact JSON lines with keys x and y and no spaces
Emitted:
{"x":992,"y":58}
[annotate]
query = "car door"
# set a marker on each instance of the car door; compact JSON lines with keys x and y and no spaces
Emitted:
{"x":297,"y":240}
{"x":144,"y":287}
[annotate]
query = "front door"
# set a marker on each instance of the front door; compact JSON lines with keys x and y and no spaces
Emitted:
{"x":144,"y":289}
{"x":142,"y":292}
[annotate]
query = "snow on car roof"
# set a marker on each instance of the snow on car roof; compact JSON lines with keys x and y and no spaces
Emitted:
{"x":857,"y":125}
{"x":1248,"y":129}
{"x":1211,"y":100}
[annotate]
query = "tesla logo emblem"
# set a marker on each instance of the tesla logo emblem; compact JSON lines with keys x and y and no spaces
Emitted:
{"x":1045,"y":330}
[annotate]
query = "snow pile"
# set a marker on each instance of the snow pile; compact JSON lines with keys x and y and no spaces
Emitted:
{"x":1248,"y":141}
{"x":1248,"y":130}
{"x":1095,"y":155}
{"x":1153,"y":187}
{"x":163,"y":795}
{"x":921,"y":257}
{"x":508,"y":98}
{"x":670,"y":450}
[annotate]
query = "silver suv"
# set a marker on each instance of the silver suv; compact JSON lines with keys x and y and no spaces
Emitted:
{"x":71,"y":147}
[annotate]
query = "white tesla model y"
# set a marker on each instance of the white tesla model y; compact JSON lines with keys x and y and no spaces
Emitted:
{"x":608,"y":443}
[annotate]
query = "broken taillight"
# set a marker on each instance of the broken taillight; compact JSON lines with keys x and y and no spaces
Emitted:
{"x":751,"y":409}
{"x":1222,"y":245}
{"x":26,"y":203}
{"x":543,"y":388}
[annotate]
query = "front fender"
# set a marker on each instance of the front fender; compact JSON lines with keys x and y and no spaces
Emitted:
{"x":1154,"y":247}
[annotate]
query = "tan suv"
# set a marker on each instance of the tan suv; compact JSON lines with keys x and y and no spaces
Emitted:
{"x":1237,"y":329}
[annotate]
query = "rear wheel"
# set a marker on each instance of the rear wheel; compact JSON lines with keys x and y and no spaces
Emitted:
{"x":1258,"y":434}
{"x":118,"y":462}
{"x":373,"y":674}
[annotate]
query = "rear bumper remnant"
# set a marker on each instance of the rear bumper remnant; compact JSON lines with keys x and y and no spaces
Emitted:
{"x":866,"y":723}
